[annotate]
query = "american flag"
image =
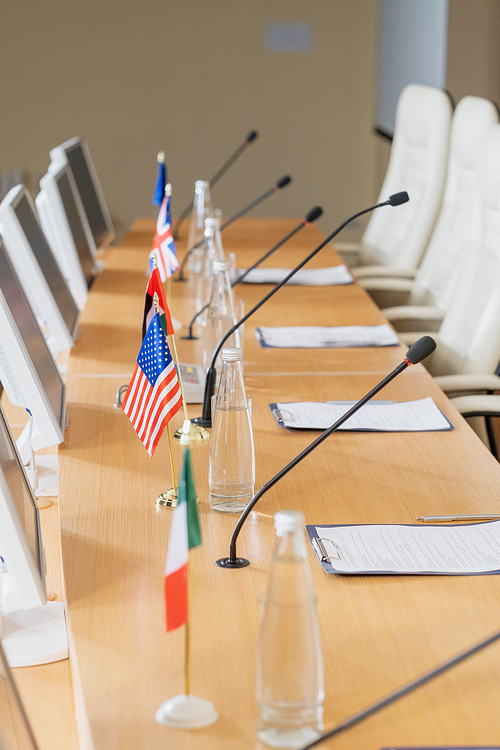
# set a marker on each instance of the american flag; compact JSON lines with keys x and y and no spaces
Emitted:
{"x":163,"y":245}
{"x":154,"y":394}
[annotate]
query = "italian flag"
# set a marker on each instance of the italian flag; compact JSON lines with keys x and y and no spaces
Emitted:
{"x":184,"y":535}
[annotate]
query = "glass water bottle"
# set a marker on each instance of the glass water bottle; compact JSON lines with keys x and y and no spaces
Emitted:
{"x":202,"y":209}
{"x":210,"y":250}
{"x":220,"y":314}
{"x":289,"y":663}
{"x":231,"y":473}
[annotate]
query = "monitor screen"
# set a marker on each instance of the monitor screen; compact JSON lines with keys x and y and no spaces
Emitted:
{"x":47,"y":262}
{"x":15,"y":730}
{"x":33,"y":339}
{"x":88,"y":194}
{"x":20,"y":492}
{"x":76,"y":227}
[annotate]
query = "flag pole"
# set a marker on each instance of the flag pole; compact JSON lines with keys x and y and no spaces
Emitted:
{"x":186,"y":658}
{"x":197,"y":434}
{"x":167,"y":499}
{"x":184,"y":711}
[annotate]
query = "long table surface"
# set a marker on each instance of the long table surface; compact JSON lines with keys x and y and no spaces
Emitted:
{"x":377,"y":631}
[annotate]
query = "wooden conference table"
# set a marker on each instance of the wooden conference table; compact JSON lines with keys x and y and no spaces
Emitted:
{"x":377,"y":632}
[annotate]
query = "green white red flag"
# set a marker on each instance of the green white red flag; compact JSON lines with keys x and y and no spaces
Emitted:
{"x":184,"y":535}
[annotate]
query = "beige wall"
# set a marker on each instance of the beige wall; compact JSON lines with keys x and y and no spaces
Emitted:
{"x":192,"y":77}
{"x":474,"y":49}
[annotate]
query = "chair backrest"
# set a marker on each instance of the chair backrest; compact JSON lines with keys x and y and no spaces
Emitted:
{"x":417,"y":164}
{"x":469,"y":336}
{"x":459,"y":214}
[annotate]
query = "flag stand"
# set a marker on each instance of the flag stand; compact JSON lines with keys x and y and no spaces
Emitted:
{"x":197,"y":434}
{"x":168,"y":499}
{"x":186,"y":711}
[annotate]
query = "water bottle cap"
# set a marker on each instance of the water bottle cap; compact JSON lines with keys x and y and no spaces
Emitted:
{"x":231,"y":354}
{"x":220,"y":265}
{"x":288,"y":520}
{"x":202,"y":184}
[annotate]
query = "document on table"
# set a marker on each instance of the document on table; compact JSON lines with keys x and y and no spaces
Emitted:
{"x":421,"y":415}
{"x":470,"y":549}
{"x":332,"y":276}
{"x":315,"y":337}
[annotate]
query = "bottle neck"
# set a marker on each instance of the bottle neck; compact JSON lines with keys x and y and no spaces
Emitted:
{"x":231,"y":392}
{"x":202,"y":207}
{"x":221,"y":298}
{"x":290,"y":545}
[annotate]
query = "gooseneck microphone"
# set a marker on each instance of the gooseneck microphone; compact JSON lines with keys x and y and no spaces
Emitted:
{"x":248,"y":140}
{"x":415,"y":354}
{"x":313,"y":214}
{"x":283,"y":182}
{"x":206,"y":417}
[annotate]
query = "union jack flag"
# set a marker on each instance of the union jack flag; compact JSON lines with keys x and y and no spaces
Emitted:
{"x":163,"y":245}
{"x":154,"y":394}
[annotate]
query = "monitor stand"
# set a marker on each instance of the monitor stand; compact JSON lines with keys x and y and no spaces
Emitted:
{"x":37,"y":636}
{"x":42,"y":469}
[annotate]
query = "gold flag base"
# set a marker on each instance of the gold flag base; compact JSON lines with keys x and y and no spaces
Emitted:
{"x":197,"y":434}
{"x":168,"y":499}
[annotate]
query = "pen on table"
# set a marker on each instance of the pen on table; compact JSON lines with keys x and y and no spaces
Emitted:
{"x":436,"y":519}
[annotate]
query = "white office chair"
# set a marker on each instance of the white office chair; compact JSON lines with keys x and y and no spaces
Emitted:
{"x":468,"y":351}
{"x":417,"y":164}
{"x":434,"y":280}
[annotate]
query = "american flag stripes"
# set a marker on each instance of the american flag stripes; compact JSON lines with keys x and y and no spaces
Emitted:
{"x":154,"y":394}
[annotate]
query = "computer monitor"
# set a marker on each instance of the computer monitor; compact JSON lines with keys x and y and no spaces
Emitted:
{"x":15,"y":729}
{"x":37,"y":268}
{"x":33,"y":629}
{"x":76,"y":154}
{"x":28,"y":371}
{"x":66,"y":227}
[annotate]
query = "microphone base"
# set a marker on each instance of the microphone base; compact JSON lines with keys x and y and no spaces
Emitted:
{"x":238,"y":562}
{"x":178,"y":278}
{"x":190,"y":338}
{"x":202,"y":422}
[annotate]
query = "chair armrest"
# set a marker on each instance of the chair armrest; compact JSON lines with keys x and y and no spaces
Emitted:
{"x":408,"y":318}
{"x":349,"y":251}
{"x":387,"y":292}
{"x":386,"y":284}
{"x":477,"y":406}
{"x":472,"y":382}
{"x":385,"y":271}
{"x":414,"y":312}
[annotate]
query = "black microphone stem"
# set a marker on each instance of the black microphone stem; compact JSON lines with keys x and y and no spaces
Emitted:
{"x":206,"y":418}
{"x":248,"y":140}
{"x":289,"y":236}
{"x":422,"y":679}
{"x":229,"y":162}
{"x":232,"y":560}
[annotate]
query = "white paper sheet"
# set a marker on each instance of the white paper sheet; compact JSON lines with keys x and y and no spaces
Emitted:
{"x":403,"y":416}
{"x":449,"y":550}
{"x":315,"y":337}
{"x":332,"y":276}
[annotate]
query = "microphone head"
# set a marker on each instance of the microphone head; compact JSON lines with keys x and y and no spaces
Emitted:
{"x":284,"y":181}
{"x":313,"y":214}
{"x":398,"y":198}
{"x":251,"y":136}
{"x":420,"y":350}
